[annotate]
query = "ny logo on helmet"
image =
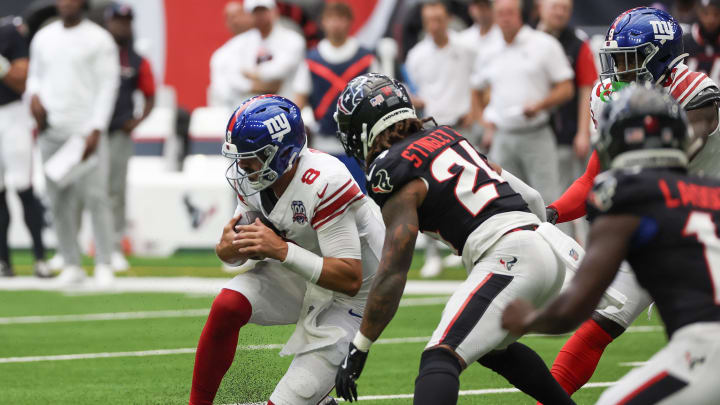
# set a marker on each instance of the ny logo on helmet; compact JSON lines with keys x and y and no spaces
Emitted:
{"x":662,"y":29}
{"x":278,"y":126}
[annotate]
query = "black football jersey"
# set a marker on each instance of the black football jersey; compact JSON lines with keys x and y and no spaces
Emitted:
{"x":675,"y":252}
{"x":463,"y":191}
{"x":704,"y":55}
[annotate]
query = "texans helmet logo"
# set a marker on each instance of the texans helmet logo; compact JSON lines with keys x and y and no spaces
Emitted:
{"x":353,"y":95}
{"x":381,"y":182}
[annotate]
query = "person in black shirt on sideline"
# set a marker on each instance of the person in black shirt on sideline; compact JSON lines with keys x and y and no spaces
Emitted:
{"x":16,"y":142}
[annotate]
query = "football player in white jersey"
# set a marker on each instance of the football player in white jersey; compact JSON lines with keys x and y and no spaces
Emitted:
{"x":318,"y":240}
{"x":643,"y":44}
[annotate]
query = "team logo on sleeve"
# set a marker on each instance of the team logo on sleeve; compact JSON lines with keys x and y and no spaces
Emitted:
{"x":299,"y":214}
{"x":381,"y":182}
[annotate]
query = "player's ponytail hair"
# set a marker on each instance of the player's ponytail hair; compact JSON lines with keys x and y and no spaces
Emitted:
{"x":394,"y":133}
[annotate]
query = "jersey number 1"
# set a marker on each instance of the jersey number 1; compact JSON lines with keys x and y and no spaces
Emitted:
{"x":701,"y":225}
{"x":473,"y":200}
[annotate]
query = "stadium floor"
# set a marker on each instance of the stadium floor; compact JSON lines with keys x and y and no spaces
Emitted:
{"x":89,"y":347}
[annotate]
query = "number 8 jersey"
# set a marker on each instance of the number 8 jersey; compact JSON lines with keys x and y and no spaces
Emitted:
{"x":463,"y":191}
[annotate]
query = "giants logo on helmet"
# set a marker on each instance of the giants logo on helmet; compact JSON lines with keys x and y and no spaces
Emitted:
{"x":662,"y":29}
{"x":278,"y":126}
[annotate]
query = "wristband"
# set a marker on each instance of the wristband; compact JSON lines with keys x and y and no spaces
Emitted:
{"x":361,"y":342}
{"x":303,"y":262}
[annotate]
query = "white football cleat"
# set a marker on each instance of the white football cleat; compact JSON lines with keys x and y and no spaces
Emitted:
{"x":118,"y":262}
{"x":57,"y":262}
{"x":432,"y":268}
{"x":103,"y":275}
{"x":71,"y":275}
{"x":452,"y":260}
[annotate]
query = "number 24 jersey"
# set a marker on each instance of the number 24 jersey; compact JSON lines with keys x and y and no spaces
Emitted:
{"x":463,"y":190}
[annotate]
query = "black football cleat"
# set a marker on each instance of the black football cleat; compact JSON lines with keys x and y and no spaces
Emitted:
{"x":6,"y":270}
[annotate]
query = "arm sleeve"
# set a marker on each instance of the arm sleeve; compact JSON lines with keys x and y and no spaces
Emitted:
{"x":284,"y":61}
{"x":571,"y":205}
{"x":146,"y":82}
{"x":531,"y":196}
{"x":556,"y":62}
{"x":106,"y":68}
{"x":585,"y":72}
{"x":340,"y":239}
{"x":34,"y":69}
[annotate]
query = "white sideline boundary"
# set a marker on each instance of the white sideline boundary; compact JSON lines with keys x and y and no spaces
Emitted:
{"x":184,"y":285}
{"x":191,"y":350}
{"x":183,"y":313}
{"x":486,"y":391}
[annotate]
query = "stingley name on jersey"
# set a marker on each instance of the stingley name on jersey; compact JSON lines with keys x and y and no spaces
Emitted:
{"x":463,"y":190}
{"x":675,"y":252}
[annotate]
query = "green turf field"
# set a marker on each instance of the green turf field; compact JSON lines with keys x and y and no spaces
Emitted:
{"x":123,"y":369}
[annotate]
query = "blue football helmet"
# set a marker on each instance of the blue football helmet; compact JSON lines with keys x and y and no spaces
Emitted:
{"x":642,"y":44}
{"x":268,"y":129}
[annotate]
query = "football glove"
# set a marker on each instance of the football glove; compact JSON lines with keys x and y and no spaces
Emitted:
{"x":551,"y":215}
{"x":348,"y":372}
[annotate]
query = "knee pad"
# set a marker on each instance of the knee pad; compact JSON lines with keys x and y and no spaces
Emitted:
{"x":308,"y":380}
{"x":439,"y":361}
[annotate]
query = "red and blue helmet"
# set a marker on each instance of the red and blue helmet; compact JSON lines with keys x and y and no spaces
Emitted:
{"x":268,"y":128}
{"x":642,"y":44}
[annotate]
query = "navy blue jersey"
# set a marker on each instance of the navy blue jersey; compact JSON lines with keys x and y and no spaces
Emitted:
{"x":463,"y":191}
{"x":675,"y":252}
{"x":12,"y":46}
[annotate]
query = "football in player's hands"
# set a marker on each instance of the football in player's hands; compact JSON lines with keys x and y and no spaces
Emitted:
{"x":248,"y":218}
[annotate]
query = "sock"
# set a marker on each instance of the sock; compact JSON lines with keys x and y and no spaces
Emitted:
{"x":437,"y":382}
{"x":218,"y":341}
{"x":33,"y":213}
{"x":4,"y":225}
{"x":524,"y":369}
{"x":579,"y":357}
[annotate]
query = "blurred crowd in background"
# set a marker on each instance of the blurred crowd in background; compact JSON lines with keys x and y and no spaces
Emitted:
{"x":82,"y":87}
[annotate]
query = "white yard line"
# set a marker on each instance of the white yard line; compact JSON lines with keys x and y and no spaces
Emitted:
{"x":183,"y":313}
{"x":191,"y":350}
{"x":184,"y":285}
{"x":110,"y":316}
{"x":487,"y":391}
{"x":633,"y":364}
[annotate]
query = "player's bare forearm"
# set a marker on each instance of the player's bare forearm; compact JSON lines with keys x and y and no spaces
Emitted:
{"x":341,"y":274}
{"x":704,"y":120}
{"x":401,"y":231}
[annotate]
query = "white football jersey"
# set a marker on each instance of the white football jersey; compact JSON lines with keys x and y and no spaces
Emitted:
{"x":320,"y":193}
{"x":683,"y":84}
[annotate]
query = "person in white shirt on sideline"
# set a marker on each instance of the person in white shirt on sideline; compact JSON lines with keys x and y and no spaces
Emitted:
{"x":72,"y":83}
{"x":525,"y":73}
{"x":439,"y":68}
{"x":266,"y":57}
{"x":237,"y":21}
{"x":323,"y":75}
{"x":482,"y":15}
